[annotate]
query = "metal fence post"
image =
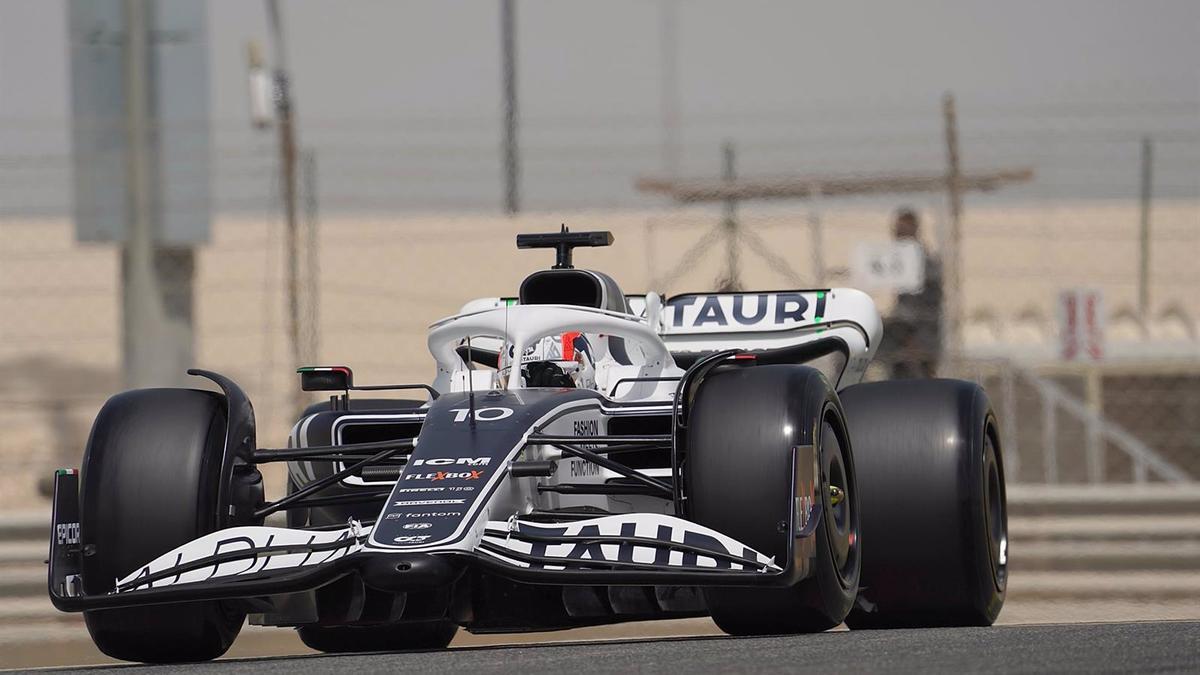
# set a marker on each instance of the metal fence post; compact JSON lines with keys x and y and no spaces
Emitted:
{"x":1093,"y":444}
{"x":1008,"y":424}
{"x":1049,"y":438}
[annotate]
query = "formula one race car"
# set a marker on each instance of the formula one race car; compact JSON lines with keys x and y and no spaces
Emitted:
{"x":585,"y":457}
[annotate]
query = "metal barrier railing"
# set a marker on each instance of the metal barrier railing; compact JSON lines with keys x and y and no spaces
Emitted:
{"x":1099,"y":432}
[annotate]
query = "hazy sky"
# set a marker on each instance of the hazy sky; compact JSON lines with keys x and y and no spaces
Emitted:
{"x":744,"y":66}
{"x":441,"y":57}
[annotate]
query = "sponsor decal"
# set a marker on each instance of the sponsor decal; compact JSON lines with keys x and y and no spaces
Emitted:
{"x":393,"y":516}
{"x":482,"y":414}
{"x":804,"y":508}
{"x":244,"y":547}
{"x":582,"y":468}
{"x":446,"y":475}
{"x":431,"y":502}
{"x":586,"y":428}
{"x":449,"y":461}
{"x":439,"y":488}
{"x":417,"y":526}
{"x":434,"y":514}
{"x":745,"y":309}
{"x":66,"y":533}
{"x":589,"y":549}
{"x":411,"y":539}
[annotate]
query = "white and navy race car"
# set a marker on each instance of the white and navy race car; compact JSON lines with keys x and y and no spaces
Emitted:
{"x":584,"y":457}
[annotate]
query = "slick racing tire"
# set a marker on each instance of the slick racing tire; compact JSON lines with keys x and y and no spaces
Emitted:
{"x":389,"y":637}
{"x":931,"y":482}
{"x":744,"y":428}
{"x":149,"y":484}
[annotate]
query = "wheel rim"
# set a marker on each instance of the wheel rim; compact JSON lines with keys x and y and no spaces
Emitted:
{"x":839,"y":500}
{"x":995,"y":513}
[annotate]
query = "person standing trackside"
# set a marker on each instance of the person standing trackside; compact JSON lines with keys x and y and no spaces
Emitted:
{"x":912,"y":332}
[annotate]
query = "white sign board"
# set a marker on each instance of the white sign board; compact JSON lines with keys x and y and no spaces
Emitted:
{"x":178,"y":85}
{"x":1081,"y":324}
{"x":897,"y":266}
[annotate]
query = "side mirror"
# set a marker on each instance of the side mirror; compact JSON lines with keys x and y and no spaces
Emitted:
{"x":326,"y":378}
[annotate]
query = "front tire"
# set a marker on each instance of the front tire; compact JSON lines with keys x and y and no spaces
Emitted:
{"x":149,"y":484}
{"x":933,"y":504}
{"x":743,"y":432}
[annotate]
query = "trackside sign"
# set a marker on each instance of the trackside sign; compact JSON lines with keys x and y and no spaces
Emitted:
{"x":1081,"y":324}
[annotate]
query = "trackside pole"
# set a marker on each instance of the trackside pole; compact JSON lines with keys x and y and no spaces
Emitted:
{"x":156,"y":281}
{"x":732,"y":280}
{"x":952,"y":256}
{"x":285,"y":120}
{"x":1144,"y":233}
{"x":512,"y":167}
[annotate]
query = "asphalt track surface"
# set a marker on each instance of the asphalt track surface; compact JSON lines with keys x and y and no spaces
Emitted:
{"x":1161,"y":647}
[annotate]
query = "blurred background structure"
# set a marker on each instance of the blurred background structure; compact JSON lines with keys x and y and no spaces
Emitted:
{"x":1054,"y":196}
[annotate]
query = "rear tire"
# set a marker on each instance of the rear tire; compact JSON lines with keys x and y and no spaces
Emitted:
{"x":389,"y":637}
{"x":739,"y":475}
{"x":933,"y":504}
{"x":149,"y":484}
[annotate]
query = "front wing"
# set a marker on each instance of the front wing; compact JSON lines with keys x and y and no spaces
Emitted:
{"x":633,"y":549}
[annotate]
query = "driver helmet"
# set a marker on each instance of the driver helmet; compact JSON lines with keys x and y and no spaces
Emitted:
{"x":564,"y":360}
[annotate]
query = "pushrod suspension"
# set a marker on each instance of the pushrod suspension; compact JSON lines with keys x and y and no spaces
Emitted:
{"x":611,"y":465}
{"x":333,"y":500}
{"x":325,"y":482}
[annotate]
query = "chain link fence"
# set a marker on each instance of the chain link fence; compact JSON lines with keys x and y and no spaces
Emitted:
{"x":403,"y":234}
{"x":1123,"y":418}
{"x":396,"y":235}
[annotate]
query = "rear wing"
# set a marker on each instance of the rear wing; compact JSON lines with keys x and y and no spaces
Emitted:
{"x":793,"y":325}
